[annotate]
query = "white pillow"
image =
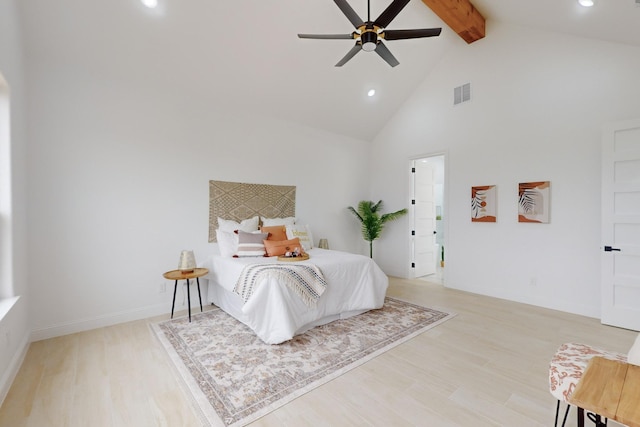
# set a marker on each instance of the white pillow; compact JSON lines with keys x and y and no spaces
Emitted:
{"x":227,"y":242}
{"x":302,"y":232}
{"x":634,"y":354}
{"x":269,"y":222}
{"x":247,"y":225}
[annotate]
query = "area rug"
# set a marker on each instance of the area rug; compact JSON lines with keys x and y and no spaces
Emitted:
{"x":234,"y":378}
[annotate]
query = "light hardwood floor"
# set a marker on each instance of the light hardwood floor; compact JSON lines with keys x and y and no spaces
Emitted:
{"x":487,"y":366}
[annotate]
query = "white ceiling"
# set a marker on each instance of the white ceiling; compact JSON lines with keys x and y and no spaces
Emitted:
{"x":246,"y":53}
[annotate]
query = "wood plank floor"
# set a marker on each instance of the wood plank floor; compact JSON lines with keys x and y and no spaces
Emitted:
{"x":488,"y":366}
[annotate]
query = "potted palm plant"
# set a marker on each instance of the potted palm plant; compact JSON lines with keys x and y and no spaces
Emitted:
{"x":372,"y":222}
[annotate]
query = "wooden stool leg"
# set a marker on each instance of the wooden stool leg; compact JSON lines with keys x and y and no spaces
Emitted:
{"x":175,"y":288}
{"x":189,"y":300}
{"x":199,"y":296}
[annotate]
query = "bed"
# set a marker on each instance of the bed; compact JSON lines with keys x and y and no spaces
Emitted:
{"x":276,"y":313}
{"x":355,"y":284}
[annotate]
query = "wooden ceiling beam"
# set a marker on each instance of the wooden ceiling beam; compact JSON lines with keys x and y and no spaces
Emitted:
{"x":461,"y":16}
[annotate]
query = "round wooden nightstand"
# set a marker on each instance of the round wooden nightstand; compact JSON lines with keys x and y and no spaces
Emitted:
{"x":180,"y":275}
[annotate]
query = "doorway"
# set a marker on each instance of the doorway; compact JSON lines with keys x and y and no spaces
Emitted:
{"x":427,"y":217}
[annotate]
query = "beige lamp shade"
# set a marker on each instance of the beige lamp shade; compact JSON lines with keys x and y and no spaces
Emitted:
{"x":323,"y":244}
{"x":187,"y":262}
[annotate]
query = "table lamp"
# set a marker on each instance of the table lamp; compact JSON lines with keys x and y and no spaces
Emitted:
{"x":187,"y":262}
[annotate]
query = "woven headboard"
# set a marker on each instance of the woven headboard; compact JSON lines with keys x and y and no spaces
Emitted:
{"x":238,"y":201}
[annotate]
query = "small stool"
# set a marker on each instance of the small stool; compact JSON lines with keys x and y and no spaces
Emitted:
{"x":183,"y":275}
{"x":565,"y":370}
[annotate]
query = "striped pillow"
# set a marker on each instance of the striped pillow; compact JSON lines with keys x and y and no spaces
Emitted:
{"x":250,"y":244}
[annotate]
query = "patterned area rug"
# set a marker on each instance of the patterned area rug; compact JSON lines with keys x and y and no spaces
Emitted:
{"x":235,"y":378}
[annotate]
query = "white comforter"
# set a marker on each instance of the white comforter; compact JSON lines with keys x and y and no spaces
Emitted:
{"x":355,"y":284}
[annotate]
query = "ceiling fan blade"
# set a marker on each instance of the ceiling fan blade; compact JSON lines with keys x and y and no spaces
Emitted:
{"x":390,"y":12}
{"x":385,"y":54}
{"x":325,"y":36}
{"x":349,"y":12}
{"x":410,"y":34}
{"x":355,"y":49}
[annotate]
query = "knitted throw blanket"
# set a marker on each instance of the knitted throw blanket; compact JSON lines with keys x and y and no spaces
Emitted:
{"x":306,"y":280}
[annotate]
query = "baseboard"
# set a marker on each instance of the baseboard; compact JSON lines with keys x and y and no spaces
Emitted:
{"x":7,"y":378}
{"x":98,"y":322}
{"x":534,"y":300}
{"x":14,"y":366}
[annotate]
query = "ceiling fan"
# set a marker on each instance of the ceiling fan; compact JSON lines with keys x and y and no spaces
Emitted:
{"x":369,"y":34}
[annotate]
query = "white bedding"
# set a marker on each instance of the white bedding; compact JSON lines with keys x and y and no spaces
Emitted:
{"x":355,"y":284}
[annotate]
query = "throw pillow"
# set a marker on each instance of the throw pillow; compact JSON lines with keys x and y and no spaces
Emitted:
{"x":248,"y":225}
{"x":276,"y":232}
{"x":268,"y":222}
{"x":277,"y":248}
{"x":302,"y":232}
{"x":250,"y":244}
{"x":227,"y":243}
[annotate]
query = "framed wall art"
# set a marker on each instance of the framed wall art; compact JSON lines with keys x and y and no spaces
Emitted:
{"x":483,"y":204}
{"x":534,"y":201}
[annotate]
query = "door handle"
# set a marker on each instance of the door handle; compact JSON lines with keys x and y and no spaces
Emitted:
{"x":610,"y":249}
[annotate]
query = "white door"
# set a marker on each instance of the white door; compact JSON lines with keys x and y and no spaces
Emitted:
{"x":424,"y":219}
{"x":621,"y":225}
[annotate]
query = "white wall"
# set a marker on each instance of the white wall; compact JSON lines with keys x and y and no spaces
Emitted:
{"x":14,"y":326}
{"x":118,"y":175}
{"x":538,"y":103}
{"x":119,"y":186}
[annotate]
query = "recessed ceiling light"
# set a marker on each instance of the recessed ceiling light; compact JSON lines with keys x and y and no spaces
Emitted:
{"x":151,"y":4}
{"x":586,"y":3}
{"x":371,"y":92}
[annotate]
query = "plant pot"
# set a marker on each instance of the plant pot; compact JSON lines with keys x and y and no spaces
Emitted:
{"x":442,"y":264}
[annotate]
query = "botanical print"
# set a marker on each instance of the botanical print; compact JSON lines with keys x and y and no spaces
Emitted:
{"x":533,"y":201}
{"x":483,"y":204}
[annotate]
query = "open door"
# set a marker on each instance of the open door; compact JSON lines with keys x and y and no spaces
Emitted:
{"x":620,"y":280}
{"x":424,"y":219}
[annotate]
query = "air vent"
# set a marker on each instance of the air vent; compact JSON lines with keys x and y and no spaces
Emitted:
{"x":463,"y":93}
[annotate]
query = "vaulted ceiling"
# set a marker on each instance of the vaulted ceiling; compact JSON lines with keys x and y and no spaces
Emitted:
{"x":245,"y":54}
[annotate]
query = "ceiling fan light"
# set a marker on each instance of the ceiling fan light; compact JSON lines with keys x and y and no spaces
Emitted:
{"x":369,"y":39}
{"x":368,"y":47}
{"x":586,"y":3}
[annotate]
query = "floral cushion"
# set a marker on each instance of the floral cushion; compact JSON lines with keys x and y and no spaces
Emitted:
{"x":568,"y":364}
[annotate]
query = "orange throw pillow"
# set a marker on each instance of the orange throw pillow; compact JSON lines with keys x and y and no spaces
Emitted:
{"x":277,"y":248}
{"x":276,"y":232}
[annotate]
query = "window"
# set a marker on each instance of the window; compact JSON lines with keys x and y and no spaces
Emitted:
{"x":6,"y":281}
